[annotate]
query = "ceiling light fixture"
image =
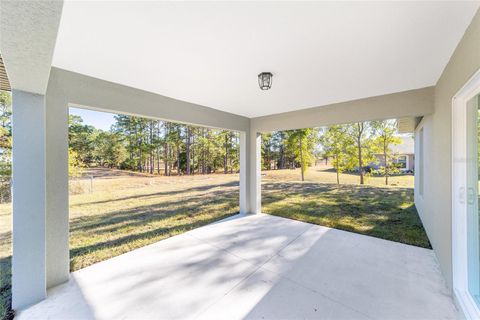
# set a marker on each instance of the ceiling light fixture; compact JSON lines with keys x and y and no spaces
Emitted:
{"x":265,"y":80}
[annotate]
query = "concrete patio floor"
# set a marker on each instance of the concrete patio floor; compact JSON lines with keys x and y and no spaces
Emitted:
{"x":258,"y":267}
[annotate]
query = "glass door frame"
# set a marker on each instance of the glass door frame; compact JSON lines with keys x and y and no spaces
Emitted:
{"x":461,"y":292}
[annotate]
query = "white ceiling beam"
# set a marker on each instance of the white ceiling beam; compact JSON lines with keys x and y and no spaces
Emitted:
{"x":412,"y":103}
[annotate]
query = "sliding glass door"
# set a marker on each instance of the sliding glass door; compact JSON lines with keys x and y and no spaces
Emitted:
{"x":472,"y":197}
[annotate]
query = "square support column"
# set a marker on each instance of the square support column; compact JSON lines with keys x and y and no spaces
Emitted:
{"x":28,"y":199}
{"x":57,"y":213}
{"x":250,"y":173}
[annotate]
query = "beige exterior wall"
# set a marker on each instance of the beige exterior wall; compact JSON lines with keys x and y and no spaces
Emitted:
{"x":411,"y":162}
{"x":435,"y":204}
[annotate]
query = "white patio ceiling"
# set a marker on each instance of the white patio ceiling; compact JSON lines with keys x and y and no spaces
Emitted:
{"x":210,"y":53}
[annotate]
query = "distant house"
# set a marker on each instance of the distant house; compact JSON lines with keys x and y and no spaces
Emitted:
{"x":403,"y":153}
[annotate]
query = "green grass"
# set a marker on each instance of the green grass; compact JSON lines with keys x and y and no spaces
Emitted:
{"x":123,"y":214}
{"x":5,"y":261}
{"x":387,"y":213}
{"x":374,"y":209}
{"x":125,"y":211}
{"x":5,"y":289}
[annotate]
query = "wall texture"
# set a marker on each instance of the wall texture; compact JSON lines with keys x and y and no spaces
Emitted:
{"x":435,"y":207}
{"x":28,"y":199}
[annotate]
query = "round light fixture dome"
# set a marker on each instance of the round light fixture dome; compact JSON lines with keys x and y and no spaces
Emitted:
{"x":265,"y":80}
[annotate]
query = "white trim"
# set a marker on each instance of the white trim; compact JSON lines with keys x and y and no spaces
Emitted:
{"x":459,"y":206}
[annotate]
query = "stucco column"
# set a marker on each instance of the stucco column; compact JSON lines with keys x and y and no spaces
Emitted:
{"x":250,"y":173}
{"x":28,"y":199}
{"x":57,"y":214}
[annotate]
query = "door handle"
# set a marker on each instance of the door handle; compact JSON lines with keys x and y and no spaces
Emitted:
{"x":471,"y":195}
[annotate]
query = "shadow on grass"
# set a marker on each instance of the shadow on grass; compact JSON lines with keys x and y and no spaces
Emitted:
{"x":101,"y":236}
{"x":6,"y":312}
{"x":141,"y":215}
{"x":165,"y":193}
{"x":182,"y":227}
{"x":387,"y":213}
{"x":356,"y":173}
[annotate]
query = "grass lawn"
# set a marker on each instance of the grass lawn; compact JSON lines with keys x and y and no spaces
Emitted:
{"x":5,"y":261}
{"x":126,"y":210}
{"x":386,"y":212}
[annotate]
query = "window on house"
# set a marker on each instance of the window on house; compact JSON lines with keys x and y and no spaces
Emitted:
{"x":402,"y":162}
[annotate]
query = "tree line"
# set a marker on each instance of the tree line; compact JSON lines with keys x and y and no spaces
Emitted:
{"x":168,"y":148}
{"x":152,"y":146}
{"x":350,"y":147}
{"x":163,"y":147}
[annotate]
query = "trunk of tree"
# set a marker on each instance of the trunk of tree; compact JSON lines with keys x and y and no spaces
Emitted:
{"x":165,"y":161}
{"x":359,"y":144}
{"x":158,"y":160}
{"x":140,"y":160}
{"x":166,"y":150}
{"x":170,"y":165}
{"x":139,"y":147}
{"x":385,"y":156}
{"x":152,"y":160}
{"x":209,"y":168}
{"x":230,"y":160}
{"x":238,"y":151}
{"x":301,"y":159}
{"x":360,"y":162}
{"x":193,"y":153}
{"x":282,"y":157}
{"x":225,"y":158}
{"x":187,"y":151}
{"x":158,"y":147}
{"x":203,"y":153}
{"x":338,"y":169}
{"x":178,"y":161}
{"x":269,"y":162}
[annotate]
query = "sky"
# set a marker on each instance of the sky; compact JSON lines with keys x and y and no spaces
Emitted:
{"x":100,"y":120}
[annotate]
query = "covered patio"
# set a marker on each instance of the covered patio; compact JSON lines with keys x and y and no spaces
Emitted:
{"x":257,"y":267}
{"x":199,"y":63}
